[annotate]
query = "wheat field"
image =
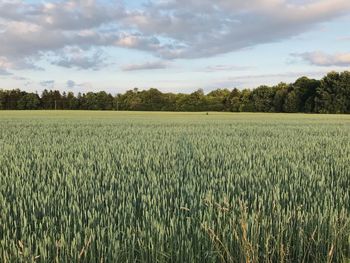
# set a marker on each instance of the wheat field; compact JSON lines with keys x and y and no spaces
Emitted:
{"x":174,"y":187}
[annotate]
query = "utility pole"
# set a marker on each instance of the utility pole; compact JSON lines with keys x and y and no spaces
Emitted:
{"x":55,"y":104}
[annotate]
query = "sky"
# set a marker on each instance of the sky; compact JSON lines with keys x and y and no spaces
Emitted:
{"x":171,"y":45}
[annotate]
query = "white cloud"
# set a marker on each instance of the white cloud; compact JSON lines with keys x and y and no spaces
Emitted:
{"x":323,"y":59}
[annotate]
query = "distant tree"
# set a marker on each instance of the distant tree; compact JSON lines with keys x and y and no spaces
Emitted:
{"x":262,"y":98}
{"x":233,"y":101}
{"x":216,"y":100}
{"x":169,"y":102}
{"x":72,"y":103}
{"x":292,"y":102}
{"x":190,"y":102}
{"x":10,"y":98}
{"x":329,"y":95}
{"x":2,"y":100}
{"x":332,"y":96}
{"x":104,"y":101}
{"x":281,"y":93}
{"x":133,"y":100}
{"x":46,"y":100}
{"x":29,"y":101}
{"x":195,"y":101}
{"x":51,"y":100}
{"x":306,"y":90}
{"x":181,"y":102}
{"x":152,"y":100}
{"x":90,"y":101}
{"x":117,"y":102}
{"x":246,"y":101}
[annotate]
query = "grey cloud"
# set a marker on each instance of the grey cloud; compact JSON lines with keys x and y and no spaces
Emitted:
{"x":78,"y":58}
{"x":217,"y":68}
{"x":166,"y":49}
{"x":32,"y":30}
{"x":4,"y":72}
{"x":17,"y":44}
{"x":71,"y":84}
{"x":206,"y":28}
{"x":63,"y":14}
{"x":19,"y":78}
{"x":145,"y":66}
{"x":344,"y":38}
{"x":166,"y":29}
{"x":28,"y":83}
{"x":323,"y":59}
{"x":252,"y":81}
{"x":279,"y":75}
{"x":47,"y":83}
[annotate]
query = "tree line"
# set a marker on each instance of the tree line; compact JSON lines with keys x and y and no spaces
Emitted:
{"x":331,"y":94}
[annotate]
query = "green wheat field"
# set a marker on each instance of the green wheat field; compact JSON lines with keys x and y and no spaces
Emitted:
{"x":174,"y":187}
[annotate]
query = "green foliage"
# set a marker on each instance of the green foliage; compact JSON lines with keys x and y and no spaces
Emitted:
{"x":292,"y":102}
{"x":135,"y":187}
{"x":29,"y":101}
{"x":330,"y":95}
{"x":281,"y":93}
{"x":333,"y":95}
{"x":262,"y":98}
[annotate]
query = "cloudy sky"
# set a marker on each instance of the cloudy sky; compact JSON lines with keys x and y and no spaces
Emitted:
{"x":173,"y":45}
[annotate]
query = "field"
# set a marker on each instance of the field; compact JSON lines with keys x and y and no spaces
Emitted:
{"x":174,"y":187}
